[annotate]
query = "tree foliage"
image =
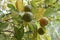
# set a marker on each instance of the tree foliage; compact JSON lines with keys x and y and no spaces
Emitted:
{"x":20,"y":19}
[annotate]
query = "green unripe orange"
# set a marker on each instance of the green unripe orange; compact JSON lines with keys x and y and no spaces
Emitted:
{"x":41,"y":31}
{"x":27,"y":17}
{"x":27,"y":8}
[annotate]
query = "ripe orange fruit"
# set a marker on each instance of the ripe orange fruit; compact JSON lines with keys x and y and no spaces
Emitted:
{"x":43,"y":21}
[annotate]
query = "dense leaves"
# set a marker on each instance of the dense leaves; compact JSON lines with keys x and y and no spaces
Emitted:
{"x":28,"y":20}
{"x":19,"y":32}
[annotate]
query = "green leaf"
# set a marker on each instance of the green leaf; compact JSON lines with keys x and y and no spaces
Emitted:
{"x":47,"y":1}
{"x":50,"y":1}
{"x":58,"y":6}
{"x":57,"y":20}
{"x":32,"y":27}
{"x":12,"y":7}
{"x":19,"y":32}
{"x":1,"y":12}
{"x":33,"y":4}
{"x":2,"y":37}
{"x":3,"y":25}
{"x":58,"y":16}
{"x":49,"y":12}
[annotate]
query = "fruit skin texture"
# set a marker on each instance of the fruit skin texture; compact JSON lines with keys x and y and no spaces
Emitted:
{"x":27,"y":17}
{"x":41,"y":31}
{"x":27,"y":8}
{"x":43,"y":21}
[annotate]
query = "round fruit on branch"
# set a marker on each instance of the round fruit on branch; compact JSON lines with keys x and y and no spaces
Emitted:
{"x":41,"y":31}
{"x":43,"y":21}
{"x":27,"y":8}
{"x":27,"y":17}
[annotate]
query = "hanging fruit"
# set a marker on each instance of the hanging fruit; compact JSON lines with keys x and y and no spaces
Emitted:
{"x":41,"y":31}
{"x":43,"y":21}
{"x":27,"y":8}
{"x":27,"y":17}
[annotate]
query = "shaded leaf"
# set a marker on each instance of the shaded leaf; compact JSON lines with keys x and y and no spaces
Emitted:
{"x":2,"y":37}
{"x":3,"y":25}
{"x":50,"y":2}
{"x":18,"y":33}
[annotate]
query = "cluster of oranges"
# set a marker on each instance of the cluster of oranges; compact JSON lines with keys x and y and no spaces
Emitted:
{"x":43,"y":21}
{"x":27,"y":17}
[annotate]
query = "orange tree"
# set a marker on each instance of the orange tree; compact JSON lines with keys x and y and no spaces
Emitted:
{"x":30,"y":20}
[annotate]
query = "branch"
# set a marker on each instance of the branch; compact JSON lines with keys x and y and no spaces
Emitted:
{"x":7,"y":31}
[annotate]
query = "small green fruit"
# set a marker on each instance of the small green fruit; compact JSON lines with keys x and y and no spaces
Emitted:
{"x":41,"y":31}
{"x":27,"y":8}
{"x":27,"y":17}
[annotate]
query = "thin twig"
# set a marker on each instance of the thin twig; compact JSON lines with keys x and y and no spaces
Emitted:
{"x":7,"y":31}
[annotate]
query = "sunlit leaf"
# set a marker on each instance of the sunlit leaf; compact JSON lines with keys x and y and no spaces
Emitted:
{"x":12,"y":7}
{"x":19,"y":5}
{"x":1,"y":14}
{"x":39,"y":13}
{"x":34,"y":6}
{"x":32,"y":27}
{"x":58,"y":17}
{"x":49,"y":12}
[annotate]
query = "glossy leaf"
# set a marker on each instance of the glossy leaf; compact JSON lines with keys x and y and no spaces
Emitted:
{"x":49,"y":12}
